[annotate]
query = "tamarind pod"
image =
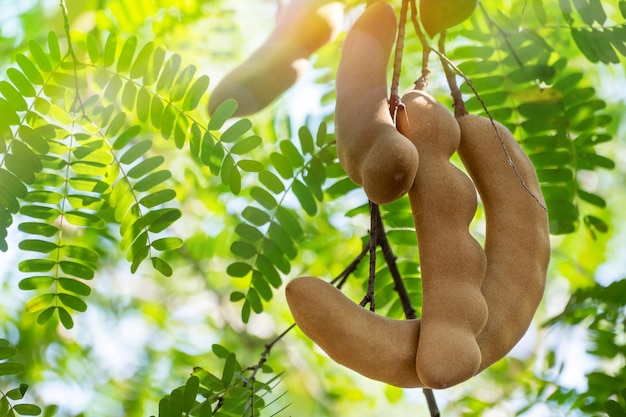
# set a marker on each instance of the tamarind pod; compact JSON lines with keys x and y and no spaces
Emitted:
{"x":302,"y":28}
{"x":443,"y":201}
{"x":377,"y":347}
{"x":517,"y":236}
{"x":370,"y":149}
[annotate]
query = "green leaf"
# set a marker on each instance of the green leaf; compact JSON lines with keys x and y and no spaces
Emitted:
{"x":93,"y":48}
{"x":191,"y":391}
{"x":39,"y":303}
{"x":236,"y":131}
{"x":229,"y":369}
{"x":268,"y":270}
{"x":195,"y":93}
{"x":249,"y":165}
{"x":72,"y":302}
{"x":278,"y":235}
{"x":166,"y":79}
{"x":250,"y":233}
{"x":289,"y":222}
{"x":261,"y":285}
{"x":46,"y":315}
{"x":11,"y":368}
{"x":158,"y":198}
{"x":289,"y":150}
{"x":12,"y":184}
{"x":223,"y":112}
{"x":36,"y":265}
{"x":236,"y":296}
{"x":156,"y":112}
{"x":243,"y":249}
{"x":182,"y":82}
{"x":36,"y":283}
{"x":165,"y":220}
{"x":167,"y":243}
{"x":65,"y":318}
{"x":154,"y":66}
{"x":10,"y":116}
{"x":140,"y":66}
{"x":7,"y":352}
{"x":136,"y":151}
{"x":13,"y":96}
{"x":306,"y":140}
{"x":126,"y":136}
{"x":263,"y":197}
{"x":282,"y":165}
{"x":146,"y":166}
{"x":76,"y":269}
{"x":246,"y":145}
{"x":39,"y":56}
{"x":27,"y":409}
{"x":255,"y":301}
{"x":220,"y":351}
{"x":272,"y":182}
{"x":165,"y":408}
{"x":614,"y":409}
{"x":152,"y":180}
{"x":75,"y":286}
{"x":255,"y":216}
{"x":238,"y":269}
{"x":305,"y":197}
{"x":53,"y":46}
{"x":168,"y":119}
{"x":110,"y":49}
{"x":20,"y":81}
{"x":126,"y":55}
{"x":29,"y":69}
{"x":40,"y":246}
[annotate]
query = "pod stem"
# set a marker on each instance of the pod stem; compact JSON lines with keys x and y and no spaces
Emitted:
{"x":459,"y":105}
{"x":397,"y":58}
{"x":422,"y":81}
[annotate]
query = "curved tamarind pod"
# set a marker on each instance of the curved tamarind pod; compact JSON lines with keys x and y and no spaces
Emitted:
{"x":517,"y":242}
{"x":302,"y":28}
{"x":377,"y":347}
{"x":443,"y":202}
{"x":369,"y":147}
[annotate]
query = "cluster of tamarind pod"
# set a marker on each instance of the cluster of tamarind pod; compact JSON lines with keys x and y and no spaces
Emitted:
{"x":477,"y":302}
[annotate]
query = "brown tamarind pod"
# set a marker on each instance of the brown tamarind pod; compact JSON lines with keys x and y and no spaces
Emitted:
{"x":443,"y":201}
{"x":301,"y":28}
{"x":517,"y":237}
{"x":377,"y":347}
{"x":370,"y":149}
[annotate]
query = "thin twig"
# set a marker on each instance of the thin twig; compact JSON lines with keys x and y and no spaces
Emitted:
{"x":422,"y":82}
{"x":397,"y":60}
{"x":373,"y":243}
{"x":70,"y":49}
{"x":390,"y":259}
{"x":340,"y":279}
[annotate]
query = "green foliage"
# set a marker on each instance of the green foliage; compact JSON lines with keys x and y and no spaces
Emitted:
{"x":270,"y":230}
{"x":598,"y":40}
{"x":8,"y":398}
{"x":525,"y":83}
{"x":231,"y":393}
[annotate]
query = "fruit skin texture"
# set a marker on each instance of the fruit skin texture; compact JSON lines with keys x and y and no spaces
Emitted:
{"x":377,"y":347}
{"x":369,"y":147}
{"x":517,"y":241}
{"x":443,"y":202}
{"x":439,"y":15}
{"x":302,"y":27}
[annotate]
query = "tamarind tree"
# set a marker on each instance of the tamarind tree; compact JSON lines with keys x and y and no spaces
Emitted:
{"x":145,"y":245}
